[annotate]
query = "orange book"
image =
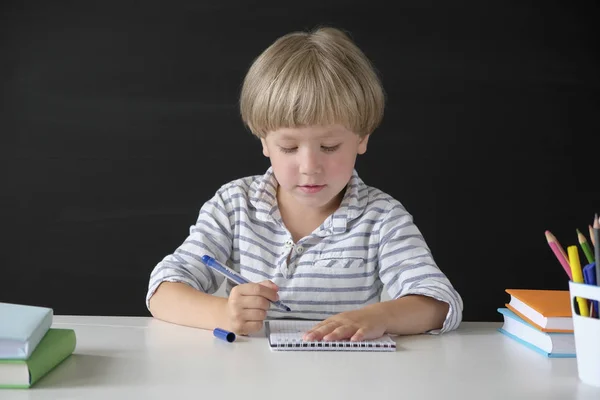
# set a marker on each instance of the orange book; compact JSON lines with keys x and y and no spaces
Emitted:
{"x":547,"y":310}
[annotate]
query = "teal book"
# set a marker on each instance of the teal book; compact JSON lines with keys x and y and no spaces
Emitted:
{"x":21,"y":329}
{"x":53,"y":349}
{"x":549,"y":344}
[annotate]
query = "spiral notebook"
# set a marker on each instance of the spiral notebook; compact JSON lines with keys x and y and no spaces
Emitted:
{"x":286,"y":335}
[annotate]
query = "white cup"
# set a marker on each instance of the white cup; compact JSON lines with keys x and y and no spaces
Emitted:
{"x":587,"y":335}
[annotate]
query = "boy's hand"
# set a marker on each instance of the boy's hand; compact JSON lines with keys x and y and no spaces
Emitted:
{"x":363,"y":324}
{"x":247,"y":306}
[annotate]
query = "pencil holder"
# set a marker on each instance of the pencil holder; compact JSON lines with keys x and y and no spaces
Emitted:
{"x":587,"y":335}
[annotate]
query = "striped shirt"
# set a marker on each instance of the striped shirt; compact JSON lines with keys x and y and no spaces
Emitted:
{"x":369,"y":243}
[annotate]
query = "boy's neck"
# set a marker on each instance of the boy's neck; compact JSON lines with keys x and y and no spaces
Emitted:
{"x":288,"y":204}
{"x":301,"y":220}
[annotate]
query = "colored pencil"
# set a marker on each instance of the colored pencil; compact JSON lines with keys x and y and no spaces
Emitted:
{"x":584,"y":310}
{"x":585,"y":247}
{"x":560,"y":255}
{"x":592,"y":238}
{"x":560,"y":248}
{"x":596,"y":227}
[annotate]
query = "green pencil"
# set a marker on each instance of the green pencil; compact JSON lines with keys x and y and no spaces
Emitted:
{"x":586,"y":247}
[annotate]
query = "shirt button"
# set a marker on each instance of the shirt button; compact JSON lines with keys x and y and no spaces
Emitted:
{"x":299,"y":249}
{"x":289,"y":243}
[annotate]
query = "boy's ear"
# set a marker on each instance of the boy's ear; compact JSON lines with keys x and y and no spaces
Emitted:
{"x":362,"y":145}
{"x":265,"y":147}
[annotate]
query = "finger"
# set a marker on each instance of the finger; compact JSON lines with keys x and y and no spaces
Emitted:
{"x":308,"y":335}
{"x":341,"y":332}
{"x":253,"y":314}
{"x":250,"y":327}
{"x":269,"y":284}
{"x":253,"y":302}
{"x":255,"y":289}
{"x":366,"y":333}
{"x":321,"y":331}
{"x":360,"y":334}
{"x":319,"y":325}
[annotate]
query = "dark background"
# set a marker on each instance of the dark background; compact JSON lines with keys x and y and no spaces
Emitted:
{"x":118,"y":120}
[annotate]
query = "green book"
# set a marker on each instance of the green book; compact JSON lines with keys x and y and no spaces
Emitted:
{"x":54,"y":348}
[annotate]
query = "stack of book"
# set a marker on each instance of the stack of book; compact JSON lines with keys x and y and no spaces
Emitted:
{"x":540,"y":320}
{"x":29,"y":347}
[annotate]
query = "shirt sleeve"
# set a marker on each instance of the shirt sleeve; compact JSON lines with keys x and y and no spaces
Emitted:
{"x":406,"y":266}
{"x":211,"y":235}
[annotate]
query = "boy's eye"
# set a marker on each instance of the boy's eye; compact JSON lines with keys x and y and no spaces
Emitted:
{"x":326,"y":149}
{"x":287,"y":149}
{"x":330,"y":149}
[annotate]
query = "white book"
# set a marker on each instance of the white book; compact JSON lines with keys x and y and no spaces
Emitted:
{"x":22,"y":327}
{"x":286,"y":335}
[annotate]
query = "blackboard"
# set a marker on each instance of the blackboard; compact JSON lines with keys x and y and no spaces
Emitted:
{"x":119,"y":119}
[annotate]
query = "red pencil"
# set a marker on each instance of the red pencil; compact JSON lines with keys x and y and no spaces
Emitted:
{"x":559,"y":252}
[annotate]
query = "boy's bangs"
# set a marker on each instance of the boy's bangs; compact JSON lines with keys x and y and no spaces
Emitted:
{"x":311,"y":95}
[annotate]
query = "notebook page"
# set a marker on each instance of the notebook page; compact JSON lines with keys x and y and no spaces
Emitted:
{"x":286,"y":335}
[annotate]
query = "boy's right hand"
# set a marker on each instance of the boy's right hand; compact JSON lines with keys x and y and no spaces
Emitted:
{"x":247,"y":306}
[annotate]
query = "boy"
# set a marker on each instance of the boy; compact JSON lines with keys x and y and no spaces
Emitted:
{"x":316,"y":236}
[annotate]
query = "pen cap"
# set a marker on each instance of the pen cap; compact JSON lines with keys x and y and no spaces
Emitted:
{"x":589,"y":274}
{"x":224,"y":335}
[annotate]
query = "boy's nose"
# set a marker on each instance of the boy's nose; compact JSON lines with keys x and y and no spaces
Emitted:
{"x":310,"y":164}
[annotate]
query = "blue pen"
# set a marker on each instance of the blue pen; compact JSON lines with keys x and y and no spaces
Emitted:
{"x":234,"y":276}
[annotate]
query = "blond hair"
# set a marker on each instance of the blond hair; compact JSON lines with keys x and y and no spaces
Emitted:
{"x":312,"y":78}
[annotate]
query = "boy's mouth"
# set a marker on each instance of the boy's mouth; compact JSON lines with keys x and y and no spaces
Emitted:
{"x":311,"y":188}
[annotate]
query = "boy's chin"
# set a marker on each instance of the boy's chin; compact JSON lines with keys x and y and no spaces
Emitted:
{"x":318,"y":203}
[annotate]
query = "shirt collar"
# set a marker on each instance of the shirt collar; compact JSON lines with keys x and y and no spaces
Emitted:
{"x":352,"y":206}
{"x":263,"y":197}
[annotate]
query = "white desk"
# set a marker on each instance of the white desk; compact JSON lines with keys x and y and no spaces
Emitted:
{"x":142,"y":358}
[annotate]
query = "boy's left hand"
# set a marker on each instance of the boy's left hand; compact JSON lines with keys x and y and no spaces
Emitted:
{"x":363,"y":324}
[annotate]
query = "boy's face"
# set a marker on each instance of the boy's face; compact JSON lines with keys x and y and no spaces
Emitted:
{"x":313,"y":164}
